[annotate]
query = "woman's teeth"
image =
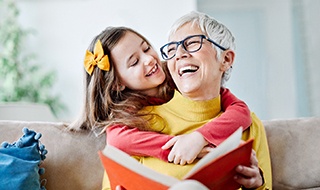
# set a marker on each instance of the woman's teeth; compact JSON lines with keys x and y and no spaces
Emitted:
{"x":188,"y":69}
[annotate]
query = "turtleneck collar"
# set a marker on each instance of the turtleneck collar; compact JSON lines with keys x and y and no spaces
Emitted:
{"x":194,"y":110}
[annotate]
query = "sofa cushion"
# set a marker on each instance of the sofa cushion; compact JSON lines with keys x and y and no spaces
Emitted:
{"x":295,"y":154}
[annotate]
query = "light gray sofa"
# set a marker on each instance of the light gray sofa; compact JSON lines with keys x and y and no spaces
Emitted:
{"x":73,"y":162}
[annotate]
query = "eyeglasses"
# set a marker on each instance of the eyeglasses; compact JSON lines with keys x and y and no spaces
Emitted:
{"x":191,"y":44}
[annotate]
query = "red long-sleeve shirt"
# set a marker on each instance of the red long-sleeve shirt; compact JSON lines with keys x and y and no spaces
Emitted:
{"x":147,"y":143}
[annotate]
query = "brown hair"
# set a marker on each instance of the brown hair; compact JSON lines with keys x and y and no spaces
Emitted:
{"x":104,"y":103}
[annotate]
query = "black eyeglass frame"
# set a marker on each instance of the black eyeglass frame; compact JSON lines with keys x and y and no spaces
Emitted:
{"x":182,"y":42}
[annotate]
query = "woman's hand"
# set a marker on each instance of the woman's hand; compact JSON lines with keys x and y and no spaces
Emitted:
{"x":185,"y":148}
{"x":250,"y":177}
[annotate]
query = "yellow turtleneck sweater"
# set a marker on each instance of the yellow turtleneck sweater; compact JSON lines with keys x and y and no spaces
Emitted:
{"x":182,"y":115}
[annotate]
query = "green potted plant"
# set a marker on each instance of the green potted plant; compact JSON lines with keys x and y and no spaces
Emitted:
{"x":21,"y":79}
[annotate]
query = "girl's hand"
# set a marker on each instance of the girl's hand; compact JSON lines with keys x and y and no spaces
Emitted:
{"x":250,"y":177}
{"x":118,"y":187}
{"x":204,"y":151}
{"x":185,"y":148}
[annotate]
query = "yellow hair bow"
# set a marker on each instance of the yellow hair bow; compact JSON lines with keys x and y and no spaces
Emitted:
{"x":97,"y":58}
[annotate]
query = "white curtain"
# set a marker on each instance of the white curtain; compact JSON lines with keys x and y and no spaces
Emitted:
{"x":310,"y":30}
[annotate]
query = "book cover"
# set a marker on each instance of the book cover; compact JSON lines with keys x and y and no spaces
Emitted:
{"x":215,"y":170}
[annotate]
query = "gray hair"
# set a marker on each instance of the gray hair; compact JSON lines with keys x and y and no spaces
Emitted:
{"x":213,"y":29}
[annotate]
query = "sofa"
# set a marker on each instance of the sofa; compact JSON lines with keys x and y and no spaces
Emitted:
{"x":72,"y":161}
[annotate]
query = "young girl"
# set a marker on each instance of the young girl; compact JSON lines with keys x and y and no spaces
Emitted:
{"x":124,"y":74}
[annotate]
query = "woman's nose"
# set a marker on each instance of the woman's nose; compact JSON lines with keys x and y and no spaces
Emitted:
{"x":181,"y":52}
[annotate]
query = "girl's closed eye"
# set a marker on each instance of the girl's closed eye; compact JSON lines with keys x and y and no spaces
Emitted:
{"x":134,"y":62}
{"x":147,"y":48}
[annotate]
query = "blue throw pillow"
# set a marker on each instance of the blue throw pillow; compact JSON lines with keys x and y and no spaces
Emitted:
{"x":20,"y":161}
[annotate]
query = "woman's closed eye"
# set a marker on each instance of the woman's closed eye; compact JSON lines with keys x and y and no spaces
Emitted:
{"x":192,"y":42}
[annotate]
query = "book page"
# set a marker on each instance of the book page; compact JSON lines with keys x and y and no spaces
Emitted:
{"x":129,"y":162}
{"x":229,"y":144}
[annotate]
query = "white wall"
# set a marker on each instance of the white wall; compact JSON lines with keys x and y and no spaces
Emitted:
{"x":64,"y":29}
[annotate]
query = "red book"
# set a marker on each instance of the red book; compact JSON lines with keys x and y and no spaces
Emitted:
{"x":215,"y":170}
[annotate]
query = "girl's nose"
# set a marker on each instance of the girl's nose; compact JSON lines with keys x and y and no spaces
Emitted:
{"x":148,"y":60}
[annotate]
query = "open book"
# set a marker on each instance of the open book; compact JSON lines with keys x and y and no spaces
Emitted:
{"x":215,"y":170}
